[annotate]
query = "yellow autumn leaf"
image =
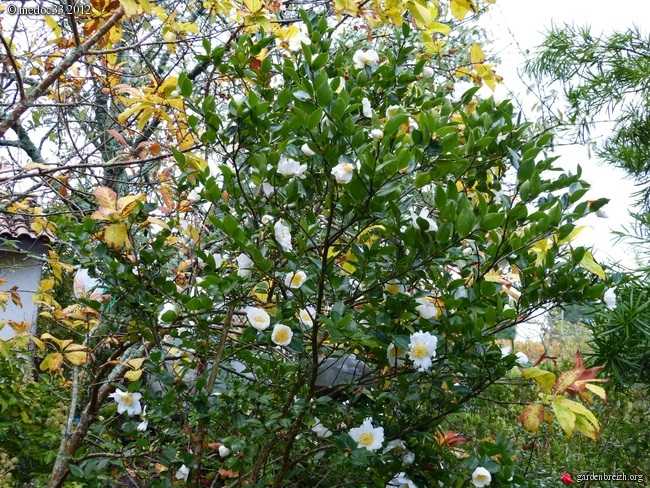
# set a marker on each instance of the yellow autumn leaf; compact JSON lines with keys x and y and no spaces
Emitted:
{"x":566,"y":379}
{"x":115,"y":235}
{"x":592,"y":266}
{"x":115,"y":34}
{"x":394,"y":10}
{"x":131,"y":8}
{"x":573,"y":235}
{"x":146,"y":6}
{"x":52,"y":361}
{"x":53,"y":24}
{"x":586,"y":428}
{"x":476,"y":55}
{"x":347,"y":6}
{"x":579,"y":409}
{"x":106,"y":197}
{"x":540,"y":249}
{"x":45,"y":286}
{"x":136,"y":363}
{"x":565,"y":417}
{"x":597,"y":390}
{"x":39,"y":343}
{"x":460,"y":8}
{"x":34,"y":165}
{"x":421,"y":13}
{"x":544,"y":379}
{"x":125,"y":205}
{"x":488,"y":76}
{"x":158,"y":222}
{"x":133,"y":375}
{"x":78,"y":358}
{"x":49,"y":336}
{"x":71,"y":347}
{"x":253,"y":5}
{"x":439,"y":27}
{"x":531,"y":417}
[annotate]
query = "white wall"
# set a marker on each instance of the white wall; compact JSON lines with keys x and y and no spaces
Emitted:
{"x":18,"y":270}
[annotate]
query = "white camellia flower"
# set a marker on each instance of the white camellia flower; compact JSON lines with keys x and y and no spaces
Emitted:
{"x":277,"y":81}
{"x":427,"y":308}
{"x":295,"y":43}
{"x":427,"y":72}
{"x":266,"y":219}
{"x":283,"y":236}
{"x":245,"y":265}
{"x":422,"y":348}
{"x":343,"y":172}
{"x":224,"y":451}
{"x":365,"y":58}
{"x":377,"y":134}
{"x":268,"y":189}
{"x":522,"y":359}
{"x":390,"y":111}
{"x":218,"y":260}
{"x":306,"y":150}
{"x":305,"y":316}
{"x":320,"y":430}
{"x":366,"y":109}
{"x":401,"y":481}
{"x":349,"y":43}
{"x":182,"y":473}
{"x":481,"y":477}
{"x":127,"y":402}
{"x":394,"y":287}
{"x":610,"y":298}
{"x":282,"y":335}
{"x":295,"y":279}
{"x":291,"y":167}
{"x":142,"y":426}
{"x":398,"y":446}
{"x":170,"y":311}
{"x":395,"y":355}
{"x":258,"y":318}
{"x":424,"y":214}
{"x":367,"y":436}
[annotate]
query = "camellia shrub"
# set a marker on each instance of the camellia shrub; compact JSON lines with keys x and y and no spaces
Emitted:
{"x":305,"y":301}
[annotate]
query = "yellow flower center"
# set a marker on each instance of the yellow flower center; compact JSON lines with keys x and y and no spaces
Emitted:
{"x":281,"y":336}
{"x":420,"y":351}
{"x":296,"y":280}
{"x":481,"y":477}
{"x":393,"y":289}
{"x":127,"y":400}
{"x":259,"y":319}
{"x":366,"y":438}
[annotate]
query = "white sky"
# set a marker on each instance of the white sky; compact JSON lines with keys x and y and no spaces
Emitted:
{"x":517,"y":27}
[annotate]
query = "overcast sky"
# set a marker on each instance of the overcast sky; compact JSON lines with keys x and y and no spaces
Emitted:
{"x":517,"y":27}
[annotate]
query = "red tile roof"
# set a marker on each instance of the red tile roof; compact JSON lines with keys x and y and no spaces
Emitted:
{"x":17,"y":226}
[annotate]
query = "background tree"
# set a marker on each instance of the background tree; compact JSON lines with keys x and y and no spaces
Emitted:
{"x":604,"y":76}
{"x":608,"y":76}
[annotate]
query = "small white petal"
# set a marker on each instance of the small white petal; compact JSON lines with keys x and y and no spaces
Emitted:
{"x":377,"y":134}
{"x":306,"y":150}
